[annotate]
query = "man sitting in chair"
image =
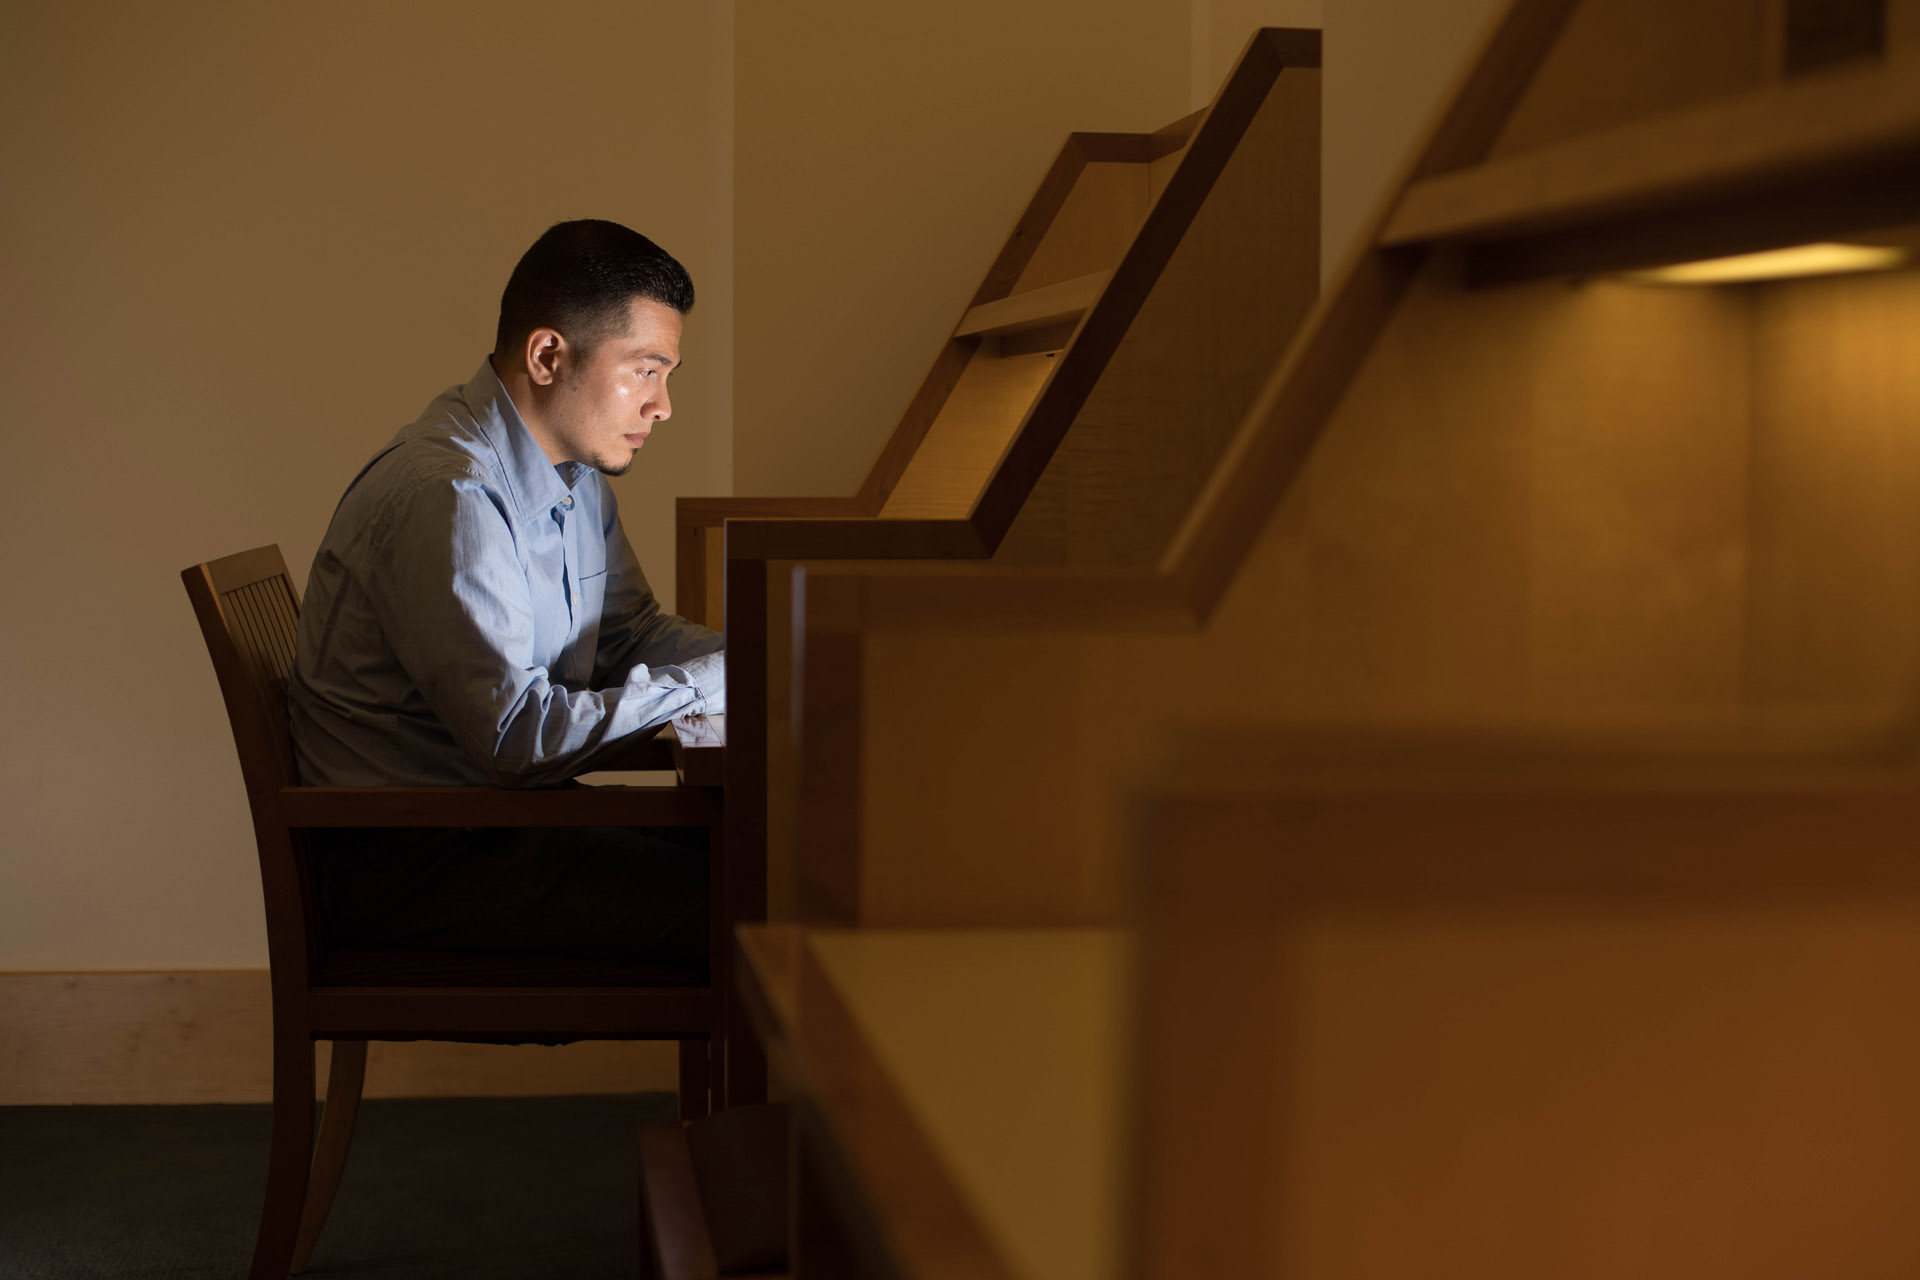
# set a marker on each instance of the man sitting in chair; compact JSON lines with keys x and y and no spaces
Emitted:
{"x":475,"y":616}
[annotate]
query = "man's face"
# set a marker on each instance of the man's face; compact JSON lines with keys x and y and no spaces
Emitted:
{"x":603,"y":407}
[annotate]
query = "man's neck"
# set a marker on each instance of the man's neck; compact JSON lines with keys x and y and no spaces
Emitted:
{"x":520,"y":390}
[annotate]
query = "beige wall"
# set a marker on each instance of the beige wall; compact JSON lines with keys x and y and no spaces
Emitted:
{"x":1389,"y":66}
{"x":883,"y":151}
{"x":1220,"y":29}
{"x":242,"y":245}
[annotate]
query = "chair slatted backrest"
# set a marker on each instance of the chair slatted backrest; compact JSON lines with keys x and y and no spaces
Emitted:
{"x":249,"y":615}
{"x":256,"y":618}
{"x":266,"y":618}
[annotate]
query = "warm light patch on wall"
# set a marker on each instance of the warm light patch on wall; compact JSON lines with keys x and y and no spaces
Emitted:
{"x":1777,"y":264}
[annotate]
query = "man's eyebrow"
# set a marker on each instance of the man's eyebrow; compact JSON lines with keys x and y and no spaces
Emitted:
{"x":659,"y":358}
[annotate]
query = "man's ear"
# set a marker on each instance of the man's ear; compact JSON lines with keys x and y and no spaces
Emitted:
{"x":546,"y":351}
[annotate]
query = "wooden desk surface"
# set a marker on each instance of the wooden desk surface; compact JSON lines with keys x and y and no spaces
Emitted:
{"x":699,"y":745}
{"x":1004,"y":1049}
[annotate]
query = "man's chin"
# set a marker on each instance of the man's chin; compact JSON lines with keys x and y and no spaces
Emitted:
{"x":608,"y":467}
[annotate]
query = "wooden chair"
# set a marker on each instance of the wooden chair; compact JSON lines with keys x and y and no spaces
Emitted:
{"x":248,"y":611}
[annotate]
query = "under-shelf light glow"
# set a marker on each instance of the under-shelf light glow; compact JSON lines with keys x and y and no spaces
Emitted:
{"x":1777,"y":264}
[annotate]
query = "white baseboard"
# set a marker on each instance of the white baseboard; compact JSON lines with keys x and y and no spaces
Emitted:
{"x":206,"y":1036}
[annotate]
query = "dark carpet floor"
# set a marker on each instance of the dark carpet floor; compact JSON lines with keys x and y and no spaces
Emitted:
{"x":479,"y":1188}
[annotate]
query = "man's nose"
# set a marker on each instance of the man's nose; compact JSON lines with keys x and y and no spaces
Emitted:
{"x":661,"y":407}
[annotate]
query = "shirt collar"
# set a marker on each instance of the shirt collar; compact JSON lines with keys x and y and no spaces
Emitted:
{"x":535,"y":484}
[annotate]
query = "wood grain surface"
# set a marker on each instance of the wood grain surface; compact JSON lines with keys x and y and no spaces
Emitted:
{"x":1516,"y":1014}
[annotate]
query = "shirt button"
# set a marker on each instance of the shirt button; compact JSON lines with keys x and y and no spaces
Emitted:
{"x":567,"y":502}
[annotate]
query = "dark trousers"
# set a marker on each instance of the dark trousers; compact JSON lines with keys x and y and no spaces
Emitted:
{"x":602,"y":892}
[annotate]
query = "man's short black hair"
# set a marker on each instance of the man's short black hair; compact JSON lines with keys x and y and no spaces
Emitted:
{"x":580,"y":277}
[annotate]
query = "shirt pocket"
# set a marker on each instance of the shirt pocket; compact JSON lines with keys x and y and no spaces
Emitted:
{"x":589,"y":597}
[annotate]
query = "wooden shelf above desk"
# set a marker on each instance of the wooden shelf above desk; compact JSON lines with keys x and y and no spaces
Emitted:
{"x":1054,"y":308}
{"x":1832,"y":155}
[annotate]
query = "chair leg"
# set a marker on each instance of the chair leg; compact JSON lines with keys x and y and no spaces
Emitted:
{"x":344,"y":1079}
{"x":696,"y":1077}
{"x":288,"y":1158}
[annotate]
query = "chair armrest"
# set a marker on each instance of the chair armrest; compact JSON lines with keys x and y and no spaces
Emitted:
{"x":496,"y":807}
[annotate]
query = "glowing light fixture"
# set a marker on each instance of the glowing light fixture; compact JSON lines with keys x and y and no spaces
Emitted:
{"x":1777,"y":264}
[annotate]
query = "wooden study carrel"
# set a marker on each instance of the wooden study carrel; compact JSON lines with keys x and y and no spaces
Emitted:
{"x":1101,"y":367}
{"x":1494,"y":802}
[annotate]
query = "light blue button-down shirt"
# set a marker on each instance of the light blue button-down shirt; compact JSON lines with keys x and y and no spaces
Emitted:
{"x":475,"y":615}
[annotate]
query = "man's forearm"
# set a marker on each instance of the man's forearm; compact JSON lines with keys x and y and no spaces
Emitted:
{"x":554,"y":733}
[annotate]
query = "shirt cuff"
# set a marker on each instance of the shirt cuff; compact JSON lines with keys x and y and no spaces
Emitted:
{"x":708,"y":676}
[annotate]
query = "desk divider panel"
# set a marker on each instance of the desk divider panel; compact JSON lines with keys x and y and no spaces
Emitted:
{"x":1205,"y":293}
{"x":1081,"y":221}
{"x":1572,"y":501}
{"x":1584,"y":1015}
{"x":1623,"y":992}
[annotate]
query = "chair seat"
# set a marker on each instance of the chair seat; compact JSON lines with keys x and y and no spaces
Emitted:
{"x":370,"y":966}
